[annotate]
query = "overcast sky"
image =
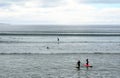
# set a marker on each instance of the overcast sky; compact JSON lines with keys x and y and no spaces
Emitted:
{"x":65,"y":12}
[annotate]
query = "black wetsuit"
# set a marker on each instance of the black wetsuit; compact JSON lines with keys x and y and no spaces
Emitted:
{"x":78,"y":64}
{"x":57,"y":39}
{"x":87,"y":62}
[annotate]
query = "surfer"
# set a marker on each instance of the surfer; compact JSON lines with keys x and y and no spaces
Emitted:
{"x":87,"y":62}
{"x":58,"y":40}
{"x":47,"y":47}
{"x":78,"y":64}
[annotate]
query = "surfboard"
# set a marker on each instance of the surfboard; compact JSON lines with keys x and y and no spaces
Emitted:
{"x":87,"y":65}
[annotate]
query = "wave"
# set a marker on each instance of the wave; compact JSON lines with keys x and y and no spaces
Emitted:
{"x":60,"y":42}
{"x":61,"y":34}
{"x":53,"y":53}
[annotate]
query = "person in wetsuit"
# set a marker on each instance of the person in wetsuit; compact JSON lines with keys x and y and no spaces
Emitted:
{"x":78,"y":64}
{"x":58,"y":39}
{"x":87,"y":62}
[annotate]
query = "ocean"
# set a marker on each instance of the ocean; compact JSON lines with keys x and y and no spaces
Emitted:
{"x":59,"y":66}
{"x":67,"y":44}
{"x":39,"y":54}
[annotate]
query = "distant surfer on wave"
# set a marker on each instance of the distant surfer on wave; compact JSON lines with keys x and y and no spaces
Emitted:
{"x":47,"y":47}
{"x":58,"y":40}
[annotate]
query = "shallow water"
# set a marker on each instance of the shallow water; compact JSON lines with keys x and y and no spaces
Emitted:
{"x":59,"y":66}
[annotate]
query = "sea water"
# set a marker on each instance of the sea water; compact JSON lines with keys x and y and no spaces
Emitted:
{"x":27,"y":56}
{"x":59,"y":66}
{"x":67,"y":44}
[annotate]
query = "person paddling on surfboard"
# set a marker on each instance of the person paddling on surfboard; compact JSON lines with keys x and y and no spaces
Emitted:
{"x":87,"y":64}
{"x":78,"y":64}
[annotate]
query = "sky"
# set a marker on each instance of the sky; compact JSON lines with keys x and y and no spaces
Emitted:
{"x":60,"y":12}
